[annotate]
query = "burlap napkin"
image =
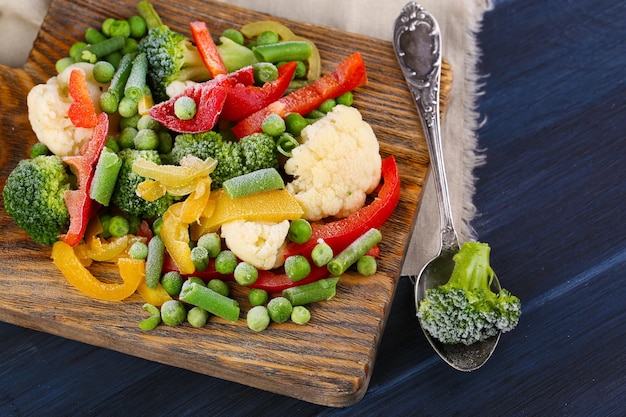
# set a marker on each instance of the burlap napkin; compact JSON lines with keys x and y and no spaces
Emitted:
{"x":459,"y":21}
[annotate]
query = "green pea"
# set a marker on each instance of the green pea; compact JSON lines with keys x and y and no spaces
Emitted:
{"x":127,"y":137}
{"x":267,"y":37}
{"x":257,"y":296}
{"x":147,"y":122}
{"x":234,"y":35}
{"x":321,"y":254}
{"x":138,"y":250}
{"x":279,"y":309}
{"x":225,"y":262}
{"x":300,"y":315}
{"x":297,"y":267}
{"x":173,"y":312}
{"x":39,"y":149}
{"x":118,"y":226}
{"x":294,"y":123}
{"x":258,"y":318}
{"x":299,"y":231}
{"x":185,"y":108}
{"x":146,"y":139}
{"x":212,"y":243}
{"x":366,"y":265}
{"x":172,"y":282}
{"x":273,"y":125}
{"x":346,"y":99}
{"x":197,"y":316}
{"x":219,"y":286}
{"x":138,"y":26}
{"x":245,"y":274}
{"x":327,"y":105}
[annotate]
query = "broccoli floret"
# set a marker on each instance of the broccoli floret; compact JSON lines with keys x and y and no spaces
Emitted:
{"x":465,"y":309}
{"x":33,"y":197}
{"x":125,"y":193}
{"x":171,"y":57}
{"x":251,"y":153}
{"x":259,"y":151}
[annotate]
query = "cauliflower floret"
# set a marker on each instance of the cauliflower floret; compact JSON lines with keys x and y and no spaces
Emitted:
{"x":336,"y":166}
{"x":259,"y":243}
{"x":47,"y":111}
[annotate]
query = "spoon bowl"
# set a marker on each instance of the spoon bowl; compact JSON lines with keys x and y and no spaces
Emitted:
{"x":417,"y":43}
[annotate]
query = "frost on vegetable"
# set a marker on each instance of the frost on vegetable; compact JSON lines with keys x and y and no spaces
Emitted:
{"x":336,"y":166}
{"x":48,"y":106}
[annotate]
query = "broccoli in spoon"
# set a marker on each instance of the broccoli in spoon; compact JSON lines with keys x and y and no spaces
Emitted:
{"x":465,"y":309}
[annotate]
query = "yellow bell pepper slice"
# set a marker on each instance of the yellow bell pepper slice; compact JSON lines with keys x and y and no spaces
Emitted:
{"x":151,"y":190}
{"x":254,"y":29}
{"x":131,"y":270}
{"x":175,"y":235}
{"x":190,"y":168}
{"x":155,"y":297}
{"x":194,"y":205}
{"x":268,"y":206}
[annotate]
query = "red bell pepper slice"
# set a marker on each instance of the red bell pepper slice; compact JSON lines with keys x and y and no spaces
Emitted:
{"x":348,"y":75}
{"x":78,"y":203}
{"x":82,"y":111}
{"x":207,"y":49}
{"x":244,"y":100}
{"x":340,"y":233}
{"x":209,"y":97}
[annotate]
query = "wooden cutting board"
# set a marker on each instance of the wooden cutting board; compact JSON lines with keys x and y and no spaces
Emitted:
{"x":330,"y":360}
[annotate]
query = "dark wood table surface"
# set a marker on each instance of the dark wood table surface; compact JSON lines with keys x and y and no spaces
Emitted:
{"x":551,"y":198}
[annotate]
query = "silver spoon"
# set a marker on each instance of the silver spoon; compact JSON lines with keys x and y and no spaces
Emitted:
{"x":417,"y":43}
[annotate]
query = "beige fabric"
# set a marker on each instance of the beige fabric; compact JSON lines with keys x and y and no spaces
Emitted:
{"x":458,"y":19}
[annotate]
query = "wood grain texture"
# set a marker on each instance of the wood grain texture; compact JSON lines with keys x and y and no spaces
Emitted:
{"x":328,"y":362}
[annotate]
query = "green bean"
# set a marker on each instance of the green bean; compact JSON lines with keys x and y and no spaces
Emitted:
{"x":92,"y":53}
{"x":197,"y":316}
{"x":173,"y":312}
{"x":154,"y":261}
{"x":93,"y":35}
{"x":152,"y":321}
{"x":321,"y":254}
{"x":300,"y":315}
{"x":211,"y":301}
{"x":257,"y":296}
{"x":76,"y":49}
{"x":172,"y":282}
{"x":136,"y":82}
{"x":340,"y":263}
{"x":245,"y":274}
{"x":225,"y":262}
{"x":138,"y":250}
{"x":109,"y":100}
{"x":286,"y":143}
{"x":200,"y":258}
{"x":192,"y":280}
{"x":299,"y":231}
{"x":283,"y":51}
{"x":264,"y":179}
{"x":280,"y":309}
{"x":258,"y":318}
{"x":321,"y":290}
{"x":105,"y":177}
{"x":366,"y":265}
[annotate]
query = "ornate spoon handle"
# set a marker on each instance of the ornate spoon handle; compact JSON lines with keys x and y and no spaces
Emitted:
{"x":417,"y":43}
